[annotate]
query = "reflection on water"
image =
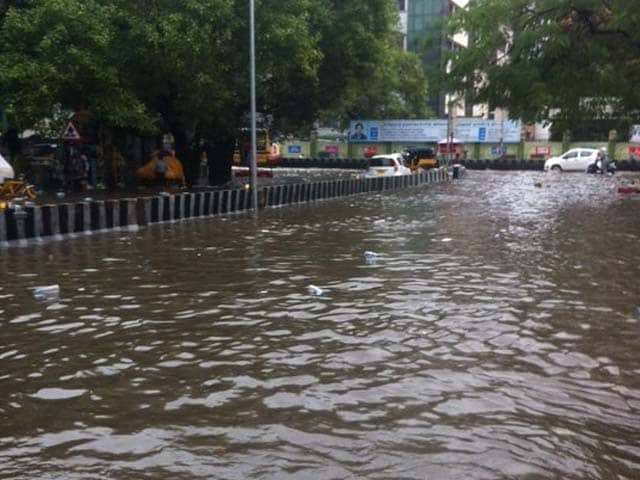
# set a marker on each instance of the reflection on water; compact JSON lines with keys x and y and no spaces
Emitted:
{"x":492,"y":335}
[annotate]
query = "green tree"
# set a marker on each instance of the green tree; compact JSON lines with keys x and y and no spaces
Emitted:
{"x":364,"y":73}
{"x":178,"y":58}
{"x":182,"y":65}
{"x":561,"y":59}
{"x":57,"y":53}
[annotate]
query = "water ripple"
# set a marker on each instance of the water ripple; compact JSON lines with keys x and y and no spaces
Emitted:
{"x":493,"y":336}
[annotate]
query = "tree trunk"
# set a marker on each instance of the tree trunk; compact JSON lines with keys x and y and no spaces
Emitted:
{"x":185,"y":153}
{"x":106,"y":157}
{"x":220,"y":159}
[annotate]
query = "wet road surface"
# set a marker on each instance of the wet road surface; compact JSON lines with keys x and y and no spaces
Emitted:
{"x":493,"y":335}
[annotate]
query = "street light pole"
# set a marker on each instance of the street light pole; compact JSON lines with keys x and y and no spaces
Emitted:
{"x":254,"y":151}
{"x":450,"y":131}
{"x":502,"y":152}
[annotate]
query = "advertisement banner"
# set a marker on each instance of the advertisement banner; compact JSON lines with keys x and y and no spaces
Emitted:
{"x":488,"y":131}
{"x":498,"y":150}
{"x":634,"y":151}
{"x":419,"y":131}
{"x":432,"y":131}
{"x":543,"y":151}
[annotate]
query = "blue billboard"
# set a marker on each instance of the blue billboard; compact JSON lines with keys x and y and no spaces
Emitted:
{"x":419,"y":131}
{"x":466,"y":130}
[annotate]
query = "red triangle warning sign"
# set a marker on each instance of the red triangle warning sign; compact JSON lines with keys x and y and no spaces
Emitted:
{"x":71,"y":133}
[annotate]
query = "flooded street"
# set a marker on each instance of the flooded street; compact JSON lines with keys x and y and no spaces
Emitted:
{"x":493,"y":335}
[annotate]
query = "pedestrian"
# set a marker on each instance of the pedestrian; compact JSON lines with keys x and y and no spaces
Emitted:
{"x":83,"y":171}
{"x":93,"y":169}
{"x":79,"y":171}
{"x":604,"y":161}
{"x":161,"y":169}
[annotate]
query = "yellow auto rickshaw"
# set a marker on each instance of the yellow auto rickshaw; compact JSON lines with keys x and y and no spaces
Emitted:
{"x":173,"y":171}
{"x":420,"y":158}
{"x":10,"y":188}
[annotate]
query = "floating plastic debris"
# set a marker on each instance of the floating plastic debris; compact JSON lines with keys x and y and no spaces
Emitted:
{"x":48,"y":292}
{"x":447,"y":239}
{"x":371,"y":257}
{"x":316,"y":291}
{"x":58,"y":393}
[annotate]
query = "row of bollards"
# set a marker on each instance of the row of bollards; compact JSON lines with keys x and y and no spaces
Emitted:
{"x":23,"y":223}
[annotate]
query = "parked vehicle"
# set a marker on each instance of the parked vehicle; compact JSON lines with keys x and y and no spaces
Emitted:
{"x":44,"y":164}
{"x":162,"y":168}
{"x":420,"y":157}
{"x":387,"y":165}
{"x":6,"y":170}
{"x":11,"y":189}
{"x":574,"y":160}
{"x":43,"y":153}
{"x":267,"y":152}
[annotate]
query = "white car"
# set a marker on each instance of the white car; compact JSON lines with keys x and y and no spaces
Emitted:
{"x":6,"y":172}
{"x":387,"y":165}
{"x":575,"y":160}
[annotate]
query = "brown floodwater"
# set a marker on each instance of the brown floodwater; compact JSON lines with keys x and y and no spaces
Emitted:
{"x":494,"y":335}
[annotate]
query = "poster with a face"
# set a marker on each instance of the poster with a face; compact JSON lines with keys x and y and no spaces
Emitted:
{"x":634,"y":134}
{"x":358,"y":132}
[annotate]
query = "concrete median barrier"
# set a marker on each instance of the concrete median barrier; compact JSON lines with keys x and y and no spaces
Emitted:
{"x":69,"y":219}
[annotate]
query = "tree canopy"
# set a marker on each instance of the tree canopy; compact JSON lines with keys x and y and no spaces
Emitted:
{"x":182,"y":65}
{"x":561,"y":59}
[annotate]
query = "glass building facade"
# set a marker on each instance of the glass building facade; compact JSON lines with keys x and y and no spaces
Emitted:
{"x":425,"y":22}
{"x":423,"y":17}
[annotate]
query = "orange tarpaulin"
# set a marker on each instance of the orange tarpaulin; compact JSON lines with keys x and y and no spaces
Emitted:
{"x":175,"y":172}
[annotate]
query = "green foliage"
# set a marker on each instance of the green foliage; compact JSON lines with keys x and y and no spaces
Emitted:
{"x":182,"y":65}
{"x":561,"y":59}
{"x":364,"y":74}
{"x":58,"y":53}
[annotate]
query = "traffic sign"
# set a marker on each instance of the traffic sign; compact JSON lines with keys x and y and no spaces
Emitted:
{"x":71,"y":133}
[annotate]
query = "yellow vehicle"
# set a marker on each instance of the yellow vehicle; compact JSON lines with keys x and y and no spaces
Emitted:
{"x":267,"y":153}
{"x":10,"y":188}
{"x":174,"y":169}
{"x":420,"y":157}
